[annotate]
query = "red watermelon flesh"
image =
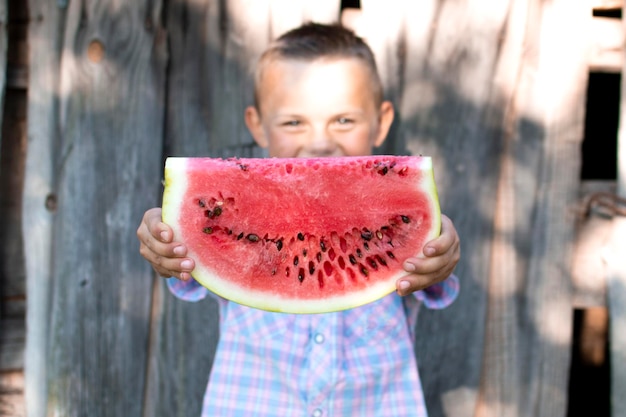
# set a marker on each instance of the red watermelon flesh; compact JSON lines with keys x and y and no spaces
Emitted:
{"x":301,"y":235}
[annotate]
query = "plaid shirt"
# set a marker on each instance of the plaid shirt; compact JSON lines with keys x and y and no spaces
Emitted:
{"x":358,"y":362}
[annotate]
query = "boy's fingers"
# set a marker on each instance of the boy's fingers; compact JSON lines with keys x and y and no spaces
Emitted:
{"x":425,"y":266}
{"x":412,"y":283}
{"x":423,"y":274}
{"x":157,"y":229}
{"x":171,"y":267}
{"x":166,"y":257}
{"x":445,"y":240}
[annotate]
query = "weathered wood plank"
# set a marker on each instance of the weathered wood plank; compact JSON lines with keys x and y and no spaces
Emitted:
{"x":213,"y":48}
{"x":98,"y":158}
{"x":527,"y":360}
{"x":12,"y":337}
{"x":45,"y":51}
{"x":12,"y":275}
{"x":448,"y":106}
{"x":12,"y":162}
{"x":616,"y":262}
{"x":499,"y":389}
{"x":287,"y":14}
{"x":617,"y":271}
{"x":606,"y":37}
{"x":606,"y":4}
{"x":207,"y":93}
{"x":4,"y":44}
{"x":556,"y":103}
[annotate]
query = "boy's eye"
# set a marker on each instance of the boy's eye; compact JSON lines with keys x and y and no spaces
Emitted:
{"x":291,"y":123}
{"x":344,"y":121}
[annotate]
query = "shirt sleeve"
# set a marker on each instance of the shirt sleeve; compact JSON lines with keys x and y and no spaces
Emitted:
{"x":439,"y":295}
{"x":187,"y":290}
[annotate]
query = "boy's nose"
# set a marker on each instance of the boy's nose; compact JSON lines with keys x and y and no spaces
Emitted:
{"x":322,"y":144}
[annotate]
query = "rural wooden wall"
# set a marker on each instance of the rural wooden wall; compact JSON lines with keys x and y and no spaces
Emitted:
{"x":494,"y":91}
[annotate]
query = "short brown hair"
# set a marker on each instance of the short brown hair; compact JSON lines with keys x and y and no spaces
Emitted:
{"x":313,"y":41}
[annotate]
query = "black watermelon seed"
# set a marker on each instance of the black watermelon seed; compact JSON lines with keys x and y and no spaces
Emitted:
{"x":217,"y":211}
{"x":352,"y":259}
{"x":301,"y":275}
{"x":366,"y":246}
{"x":319,"y":257}
{"x":201,"y":203}
{"x":390,"y":254}
{"x":300,"y":236}
{"x":405,"y":219}
{"x":252,"y":237}
{"x":363,"y":270}
{"x":381,"y":260}
{"x":208,"y":230}
{"x":366,"y":234}
{"x":322,"y":246}
{"x":372,"y":263}
{"x":240,"y":236}
{"x":359,"y":253}
{"x":311,"y":267}
{"x":279,"y":244}
{"x":304,"y":252}
{"x":295,"y":261}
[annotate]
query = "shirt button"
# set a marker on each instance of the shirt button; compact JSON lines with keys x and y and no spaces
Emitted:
{"x":319,"y":339}
{"x":317,"y":413}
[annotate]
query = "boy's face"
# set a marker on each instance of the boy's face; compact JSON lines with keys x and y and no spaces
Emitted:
{"x":321,"y":108}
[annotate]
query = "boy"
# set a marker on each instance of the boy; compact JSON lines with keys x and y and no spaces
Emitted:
{"x":317,"y":93}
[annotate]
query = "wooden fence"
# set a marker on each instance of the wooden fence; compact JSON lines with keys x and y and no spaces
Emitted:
{"x":494,"y":91}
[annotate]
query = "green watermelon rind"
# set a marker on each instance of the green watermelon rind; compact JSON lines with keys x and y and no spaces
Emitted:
{"x":175,"y":173}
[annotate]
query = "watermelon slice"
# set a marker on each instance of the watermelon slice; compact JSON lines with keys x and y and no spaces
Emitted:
{"x":301,"y":235}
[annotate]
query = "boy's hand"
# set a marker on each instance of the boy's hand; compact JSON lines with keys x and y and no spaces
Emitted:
{"x":440,"y":258}
{"x":156,"y":245}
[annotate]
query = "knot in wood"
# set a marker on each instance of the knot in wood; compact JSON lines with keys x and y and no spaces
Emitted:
{"x":95,"y":51}
{"x":51,"y":202}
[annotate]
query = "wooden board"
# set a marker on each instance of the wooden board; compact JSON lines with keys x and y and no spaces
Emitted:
{"x":12,"y":155}
{"x":96,"y":106}
{"x":616,"y":265}
{"x":448,"y":107}
{"x":44,"y":34}
{"x":527,"y":363}
{"x":606,"y":37}
{"x":214,"y":45}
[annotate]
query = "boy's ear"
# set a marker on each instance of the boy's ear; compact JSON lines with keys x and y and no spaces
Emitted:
{"x":253,"y":121}
{"x":386,"y":118}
